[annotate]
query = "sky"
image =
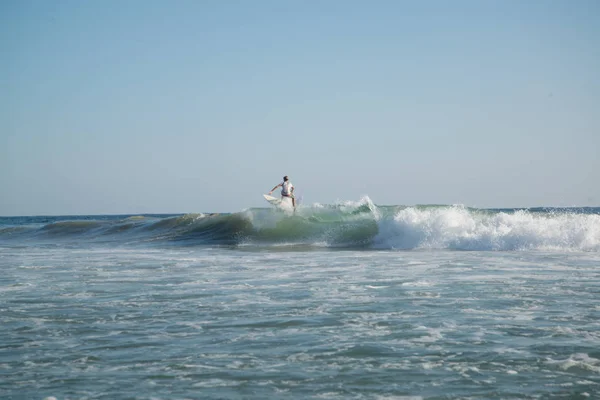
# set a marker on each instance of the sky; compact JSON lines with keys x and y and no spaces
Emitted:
{"x":127,"y":107}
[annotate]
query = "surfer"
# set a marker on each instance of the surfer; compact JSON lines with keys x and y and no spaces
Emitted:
{"x":287,"y":190}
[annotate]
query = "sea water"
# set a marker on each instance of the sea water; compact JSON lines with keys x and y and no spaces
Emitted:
{"x":346,"y":301}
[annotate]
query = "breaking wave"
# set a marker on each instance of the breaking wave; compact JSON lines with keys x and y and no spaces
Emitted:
{"x":359,"y":224}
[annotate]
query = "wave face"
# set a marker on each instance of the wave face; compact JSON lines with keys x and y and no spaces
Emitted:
{"x":359,"y":224}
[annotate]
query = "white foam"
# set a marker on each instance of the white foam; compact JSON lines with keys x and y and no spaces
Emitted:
{"x":420,"y":283}
{"x":457,"y":227}
{"x":579,"y":361}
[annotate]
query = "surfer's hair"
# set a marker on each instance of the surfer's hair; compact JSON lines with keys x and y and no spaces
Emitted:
{"x":285,"y":178}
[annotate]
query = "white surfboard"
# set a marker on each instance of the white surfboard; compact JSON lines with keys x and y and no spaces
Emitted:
{"x":273,"y":200}
{"x":284,"y":204}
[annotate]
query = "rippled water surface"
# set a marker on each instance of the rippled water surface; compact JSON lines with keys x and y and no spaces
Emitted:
{"x":175,"y":323}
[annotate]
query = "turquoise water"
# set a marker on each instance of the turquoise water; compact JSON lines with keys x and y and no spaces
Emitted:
{"x":375,"y":303}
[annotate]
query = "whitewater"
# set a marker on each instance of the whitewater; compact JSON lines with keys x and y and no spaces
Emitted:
{"x":351,"y":300}
{"x":344,"y":225}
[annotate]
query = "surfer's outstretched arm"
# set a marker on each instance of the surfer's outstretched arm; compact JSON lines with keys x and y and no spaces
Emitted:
{"x":275,"y":188}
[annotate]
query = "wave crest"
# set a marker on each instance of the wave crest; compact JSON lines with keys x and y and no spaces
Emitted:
{"x":347,"y":224}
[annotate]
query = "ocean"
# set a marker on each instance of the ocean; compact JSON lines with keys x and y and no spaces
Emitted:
{"x":344,"y":301}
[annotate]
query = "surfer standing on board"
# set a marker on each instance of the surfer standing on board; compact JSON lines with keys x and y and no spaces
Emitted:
{"x":287,"y":190}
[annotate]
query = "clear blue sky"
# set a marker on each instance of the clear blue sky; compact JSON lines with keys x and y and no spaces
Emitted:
{"x":201,"y":106}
